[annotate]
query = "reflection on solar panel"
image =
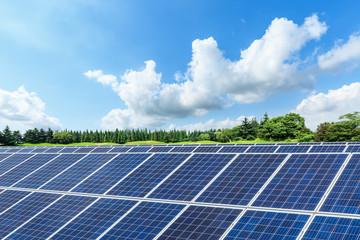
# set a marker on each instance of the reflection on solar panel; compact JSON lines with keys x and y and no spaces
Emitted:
{"x":207,"y":149}
{"x":345,"y":195}
{"x":268,"y":225}
{"x":148,"y":175}
{"x":47,"y":172}
{"x":183,"y":149}
{"x":301,"y":182}
{"x":353,"y":148}
{"x":201,"y":223}
{"x":160,"y":149}
{"x":12,"y":161}
{"x":333,"y":228}
{"x":109,"y":175}
{"x":145,"y":221}
{"x":95,"y":220}
{"x":192,"y":177}
{"x":262,"y":149}
{"x":23,"y":211}
{"x":139,"y":149}
{"x":293,"y":149}
{"x":327,"y":149}
{"x":60,"y":212}
{"x":238,"y":149}
{"x":72,"y":176}
{"x":239,"y":183}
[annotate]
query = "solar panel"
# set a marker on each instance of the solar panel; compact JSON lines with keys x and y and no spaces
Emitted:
{"x":148,"y":175}
{"x":3,"y":156}
{"x":237,"y":149}
{"x":101,"y":150}
{"x":192,"y":177}
{"x":13,"y":150}
{"x":160,"y":149}
{"x":327,"y":149}
{"x":2,"y":149}
{"x":53,"y":150}
{"x":95,"y":220}
{"x":301,"y":182}
{"x":345,"y":194}
{"x":262,"y":149}
{"x":140,"y":149}
{"x":60,"y":212}
{"x":199,"y":222}
{"x":25,"y":150}
{"x":68,"y":150}
{"x":109,"y":175}
{"x":119,"y":149}
{"x":9,"y":197}
{"x":24,"y":210}
{"x":72,"y":176}
{"x":268,"y":225}
{"x":12,"y":161}
{"x":287,"y":144}
{"x":84,"y":150}
{"x":353,"y":148}
{"x":309,"y":143}
{"x":207,"y":149}
{"x":239,"y":183}
{"x":183,"y":149}
{"x":39,"y":150}
{"x":333,"y":228}
{"x":49,"y":171}
{"x":293,"y":149}
{"x":145,"y":221}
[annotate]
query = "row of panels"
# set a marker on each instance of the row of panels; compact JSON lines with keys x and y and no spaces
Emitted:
{"x":26,"y":215}
{"x":194,"y":149}
{"x":298,"y":181}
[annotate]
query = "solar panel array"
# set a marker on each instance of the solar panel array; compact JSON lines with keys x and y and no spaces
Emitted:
{"x":223,"y":191}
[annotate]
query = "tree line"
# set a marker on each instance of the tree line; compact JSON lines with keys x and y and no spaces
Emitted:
{"x":290,"y":127}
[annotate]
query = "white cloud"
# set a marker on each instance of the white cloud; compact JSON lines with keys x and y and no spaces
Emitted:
{"x":23,"y":110}
{"x":328,"y":107}
{"x":342,"y":56}
{"x":267,"y":68}
{"x":211,"y":124}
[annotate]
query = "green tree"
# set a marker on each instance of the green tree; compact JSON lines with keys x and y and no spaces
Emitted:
{"x":321,"y":130}
{"x":62,"y":137}
{"x":8,"y":137}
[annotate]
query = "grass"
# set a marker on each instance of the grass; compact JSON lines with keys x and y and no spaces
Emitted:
{"x":150,"y":143}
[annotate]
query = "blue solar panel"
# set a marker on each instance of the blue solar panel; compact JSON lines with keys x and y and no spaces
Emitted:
{"x":183,"y":149}
{"x":109,"y":175}
{"x":39,"y":150}
{"x":148,"y":175}
{"x":49,"y":171}
{"x":201,"y":223}
{"x":192,"y":177}
{"x":239,"y":183}
{"x":345,"y":195}
{"x":101,"y":150}
{"x":2,"y":149}
{"x":140,"y":149}
{"x":235,"y":149}
{"x":301,"y":182}
{"x":265,"y":144}
{"x":353,"y":148}
{"x":95,"y":220}
{"x":262,"y":149}
{"x":10,"y":197}
{"x":333,"y":143}
{"x":68,"y":150}
{"x":293,"y":149}
{"x":53,"y":150}
{"x":145,"y":221}
{"x":268,"y":225}
{"x":119,"y":149}
{"x":207,"y":149}
{"x":309,"y":143}
{"x":287,"y":144}
{"x":160,"y":149}
{"x":327,"y":149}
{"x":13,"y":150}
{"x":3,"y":156}
{"x":333,"y":228}
{"x":84,"y":149}
{"x":72,"y":176}
{"x":350,"y":143}
{"x":23,"y":211}
{"x":51,"y":219}
{"x":25,"y":150}
{"x":25,"y":168}
{"x":12,"y":161}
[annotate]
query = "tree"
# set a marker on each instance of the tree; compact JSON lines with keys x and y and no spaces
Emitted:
{"x":321,"y":130}
{"x":352,"y":117}
{"x":205,"y":137}
{"x":17,"y":137}
{"x":8,"y":137}
{"x":62,"y":137}
{"x":341,"y":132}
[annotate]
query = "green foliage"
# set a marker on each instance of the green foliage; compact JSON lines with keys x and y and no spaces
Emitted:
{"x":7,"y":137}
{"x":62,"y":137}
{"x":321,"y":131}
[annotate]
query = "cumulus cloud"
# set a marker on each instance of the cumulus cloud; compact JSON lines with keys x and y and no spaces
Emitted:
{"x":24,"y":110}
{"x":267,"y":68}
{"x":327,"y":107}
{"x":342,"y":56}
{"x":211,"y":124}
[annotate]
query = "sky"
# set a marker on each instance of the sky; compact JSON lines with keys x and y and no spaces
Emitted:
{"x":158,"y":64}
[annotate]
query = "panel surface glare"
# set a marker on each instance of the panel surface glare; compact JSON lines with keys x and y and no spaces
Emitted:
{"x":52,"y":218}
{"x":25,"y":168}
{"x":201,"y":223}
{"x":239,"y":183}
{"x":49,"y":171}
{"x":344,"y":197}
{"x":268,"y":225}
{"x":12,"y":161}
{"x":333,"y":228}
{"x":95,"y":220}
{"x":262,"y":149}
{"x":72,"y":176}
{"x":23,"y":211}
{"x":192,"y":177}
{"x":148,"y":175}
{"x":110,"y":174}
{"x":145,"y":221}
{"x":301,"y":182}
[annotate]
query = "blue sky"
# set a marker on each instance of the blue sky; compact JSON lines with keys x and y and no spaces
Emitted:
{"x":176,"y":64}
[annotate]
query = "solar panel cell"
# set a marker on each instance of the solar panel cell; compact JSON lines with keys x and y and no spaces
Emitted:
{"x":262,"y":149}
